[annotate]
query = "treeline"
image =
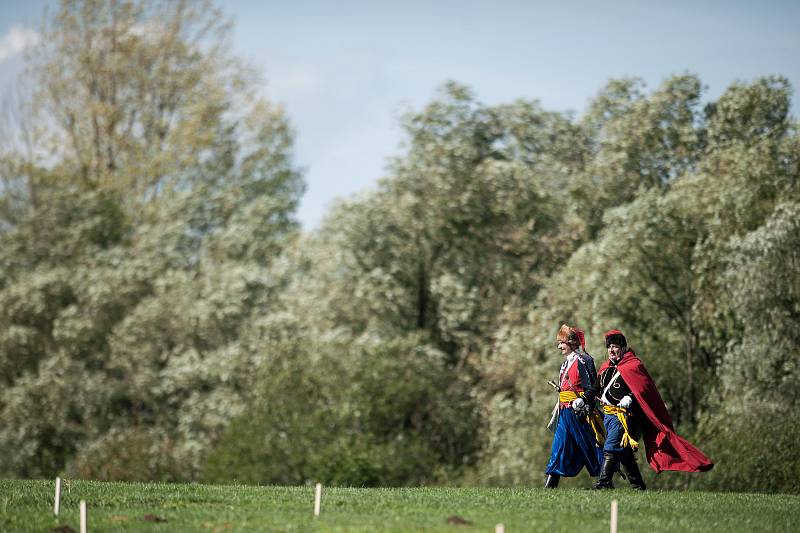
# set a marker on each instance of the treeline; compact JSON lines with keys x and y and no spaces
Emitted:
{"x":163,"y":318}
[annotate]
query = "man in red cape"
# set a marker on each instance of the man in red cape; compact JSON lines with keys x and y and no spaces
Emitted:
{"x":632,"y":404}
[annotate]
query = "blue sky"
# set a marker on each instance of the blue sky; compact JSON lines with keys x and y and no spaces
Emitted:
{"x":346,"y":70}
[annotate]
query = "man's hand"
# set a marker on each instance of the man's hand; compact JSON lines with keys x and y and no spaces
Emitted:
{"x":578,"y":404}
{"x":625,"y":402}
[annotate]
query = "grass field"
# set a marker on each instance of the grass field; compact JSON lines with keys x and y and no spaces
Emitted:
{"x":28,"y":506}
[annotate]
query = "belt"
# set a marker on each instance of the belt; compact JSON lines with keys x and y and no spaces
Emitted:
{"x":595,"y":420}
{"x":622,"y":415}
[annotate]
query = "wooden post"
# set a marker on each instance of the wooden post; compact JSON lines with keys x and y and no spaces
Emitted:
{"x":614,"y":513}
{"x":57,"y":502}
{"x":83,"y":516}
{"x":317,"y":499}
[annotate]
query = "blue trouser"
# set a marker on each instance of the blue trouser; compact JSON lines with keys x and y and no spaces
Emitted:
{"x":614,"y":434}
{"x":613,"y":449}
{"x":573,"y":447}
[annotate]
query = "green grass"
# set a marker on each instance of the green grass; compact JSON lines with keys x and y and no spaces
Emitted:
{"x":28,"y":506}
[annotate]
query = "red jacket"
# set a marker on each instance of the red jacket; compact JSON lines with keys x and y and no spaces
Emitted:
{"x":666,"y":450}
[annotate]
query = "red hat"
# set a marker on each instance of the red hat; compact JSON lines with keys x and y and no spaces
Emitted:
{"x":571,"y":336}
{"x":615,"y":336}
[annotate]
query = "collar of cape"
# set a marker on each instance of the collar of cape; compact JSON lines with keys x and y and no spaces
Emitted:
{"x":627,"y":358}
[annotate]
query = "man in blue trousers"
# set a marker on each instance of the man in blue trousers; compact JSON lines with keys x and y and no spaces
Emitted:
{"x":577,"y":429}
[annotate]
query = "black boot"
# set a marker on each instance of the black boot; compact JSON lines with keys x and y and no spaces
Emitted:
{"x":610,"y":464}
{"x":551,"y":481}
{"x":632,"y":469}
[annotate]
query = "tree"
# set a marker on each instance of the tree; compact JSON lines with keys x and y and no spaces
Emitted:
{"x":463,"y":228}
{"x":665,"y":265}
{"x":757,"y":376}
{"x":140,"y":227}
{"x":639,"y":141}
{"x":366,"y":411}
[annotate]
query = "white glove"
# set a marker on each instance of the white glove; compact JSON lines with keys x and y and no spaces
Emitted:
{"x":578,"y":404}
{"x":625,"y":402}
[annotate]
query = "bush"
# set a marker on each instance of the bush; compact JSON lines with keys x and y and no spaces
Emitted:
{"x":351,"y":412}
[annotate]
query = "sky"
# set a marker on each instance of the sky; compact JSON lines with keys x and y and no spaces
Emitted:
{"x":346,"y":70}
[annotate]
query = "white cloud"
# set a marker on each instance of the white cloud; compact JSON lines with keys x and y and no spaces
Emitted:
{"x":293,"y":81}
{"x":16,"y":40}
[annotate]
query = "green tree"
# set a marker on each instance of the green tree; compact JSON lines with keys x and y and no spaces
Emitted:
{"x":366,"y":411}
{"x":663,"y":266}
{"x":639,"y":141}
{"x":140,"y":226}
{"x":758,"y":374}
{"x":463,"y":229}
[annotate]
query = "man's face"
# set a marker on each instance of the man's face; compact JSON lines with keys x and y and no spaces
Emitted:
{"x":614,"y":351}
{"x":564,"y":347}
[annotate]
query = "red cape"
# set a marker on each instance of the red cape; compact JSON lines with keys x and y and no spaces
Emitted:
{"x":666,"y":450}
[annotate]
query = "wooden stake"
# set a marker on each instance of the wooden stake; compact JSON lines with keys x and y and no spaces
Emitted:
{"x":83,"y":516}
{"x":57,"y":502}
{"x":499,"y":528}
{"x":614,"y":508}
{"x":317,"y":499}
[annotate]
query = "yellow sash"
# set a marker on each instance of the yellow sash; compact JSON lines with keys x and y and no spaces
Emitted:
{"x":595,"y":420}
{"x":567,"y":396}
{"x":621,"y":413}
